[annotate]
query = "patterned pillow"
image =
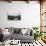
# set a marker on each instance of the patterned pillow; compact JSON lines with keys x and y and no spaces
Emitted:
{"x":17,"y":30}
{"x":11,"y":30}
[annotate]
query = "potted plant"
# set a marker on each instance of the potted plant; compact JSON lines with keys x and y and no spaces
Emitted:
{"x":35,"y":34}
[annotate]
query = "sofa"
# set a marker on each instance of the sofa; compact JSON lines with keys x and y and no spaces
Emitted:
{"x":17,"y":35}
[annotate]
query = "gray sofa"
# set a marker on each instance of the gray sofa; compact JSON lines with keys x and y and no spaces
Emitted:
{"x":17,"y":35}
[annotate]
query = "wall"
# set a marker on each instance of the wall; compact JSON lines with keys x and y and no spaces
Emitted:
{"x":30,"y":14}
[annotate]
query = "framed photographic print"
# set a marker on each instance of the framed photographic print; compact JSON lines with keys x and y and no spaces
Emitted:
{"x":14,"y":17}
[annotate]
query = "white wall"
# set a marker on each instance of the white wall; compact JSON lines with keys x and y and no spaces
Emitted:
{"x":30,"y":14}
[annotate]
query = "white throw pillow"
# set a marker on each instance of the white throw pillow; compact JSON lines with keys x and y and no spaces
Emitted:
{"x":5,"y":32}
{"x":23,"y":31}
